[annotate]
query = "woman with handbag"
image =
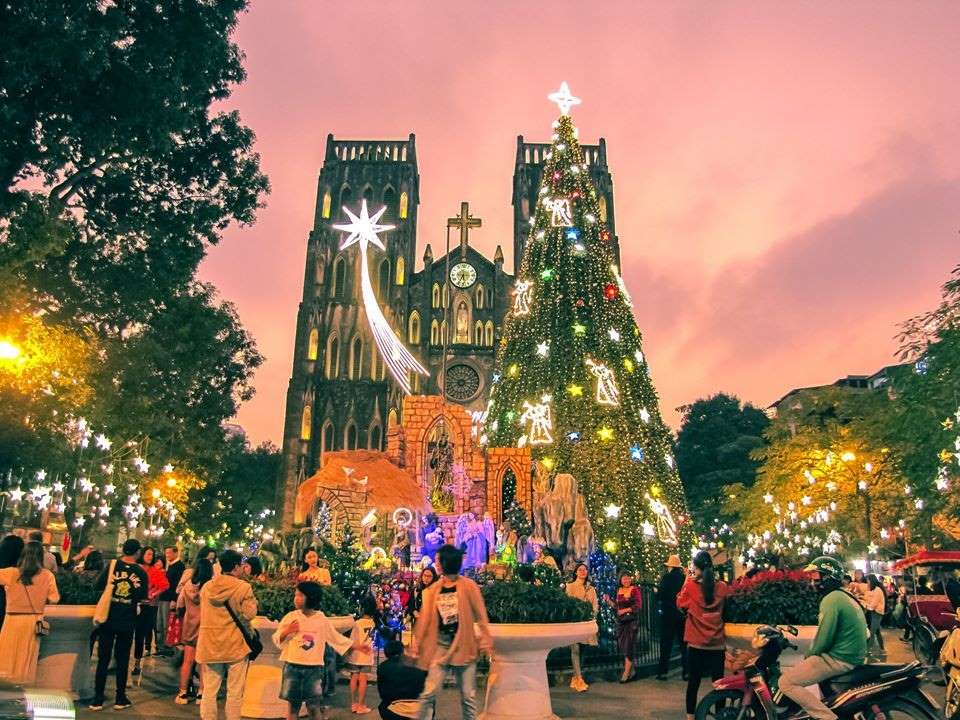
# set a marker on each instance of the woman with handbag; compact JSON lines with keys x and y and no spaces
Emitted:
{"x":627,"y":606}
{"x":188,"y":611}
{"x":29,"y":588}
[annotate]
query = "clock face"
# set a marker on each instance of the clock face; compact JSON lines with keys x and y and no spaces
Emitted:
{"x":463,"y":275}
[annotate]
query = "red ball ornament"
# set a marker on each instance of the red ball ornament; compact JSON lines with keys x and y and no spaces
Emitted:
{"x":605,"y":235}
{"x":556,"y":175}
{"x":576,"y":194}
{"x":580,"y":302}
{"x":610,"y":291}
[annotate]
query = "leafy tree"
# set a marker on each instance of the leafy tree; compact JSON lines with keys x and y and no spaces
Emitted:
{"x":233,"y":502}
{"x":713,"y":453}
{"x":108,"y":111}
{"x":824,"y":482}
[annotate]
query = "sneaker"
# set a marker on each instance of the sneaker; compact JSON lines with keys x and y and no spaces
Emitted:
{"x":122,"y":704}
{"x":95,"y":705}
{"x":181,"y":699}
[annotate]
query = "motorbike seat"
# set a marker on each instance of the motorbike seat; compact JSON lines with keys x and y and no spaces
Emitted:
{"x":867,"y":674}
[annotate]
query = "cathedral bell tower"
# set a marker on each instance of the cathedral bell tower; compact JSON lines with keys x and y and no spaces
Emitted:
{"x":340,"y":395}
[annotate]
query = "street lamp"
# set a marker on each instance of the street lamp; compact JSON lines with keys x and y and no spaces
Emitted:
{"x":8,"y":350}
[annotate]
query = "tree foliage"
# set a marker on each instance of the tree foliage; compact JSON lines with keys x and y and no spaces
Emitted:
{"x":714,"y":449}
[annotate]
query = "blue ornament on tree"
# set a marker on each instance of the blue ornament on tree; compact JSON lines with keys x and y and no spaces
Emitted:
{"x":637,"y":454}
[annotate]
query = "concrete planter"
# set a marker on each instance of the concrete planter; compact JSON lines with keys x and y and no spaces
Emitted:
{"x":517,"y":684}
{"x":739,"y":636}
{"x":261,"y":694}
{"x":64,"y":662}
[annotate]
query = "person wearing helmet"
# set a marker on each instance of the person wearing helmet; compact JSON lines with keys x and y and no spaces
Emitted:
{"x":839,"y":645}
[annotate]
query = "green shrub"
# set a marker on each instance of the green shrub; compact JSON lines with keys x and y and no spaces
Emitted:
{"x":773,"y":598}
{"x":519,"y":602}
{"x":77,"y":588}
{"x":275,"y":599}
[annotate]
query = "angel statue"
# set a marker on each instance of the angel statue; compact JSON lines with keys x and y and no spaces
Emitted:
{"x":441,"y":463}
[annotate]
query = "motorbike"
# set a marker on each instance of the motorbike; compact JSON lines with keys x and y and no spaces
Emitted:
{"x":869,"y":692}
{"x":950,"y":662}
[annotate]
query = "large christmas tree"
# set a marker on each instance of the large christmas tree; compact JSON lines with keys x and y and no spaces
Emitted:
{"x":573,"y":382}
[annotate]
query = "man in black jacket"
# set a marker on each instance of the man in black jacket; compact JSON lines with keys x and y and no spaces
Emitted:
{"x":671,"y":619}
{"x":168,"y":598}
{"x":399,"y":684}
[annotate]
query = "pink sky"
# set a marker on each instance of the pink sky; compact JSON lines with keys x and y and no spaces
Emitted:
{"x":785,"y":174}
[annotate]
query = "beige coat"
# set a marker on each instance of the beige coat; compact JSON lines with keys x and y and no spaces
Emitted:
{"x":220,"y":640}
{"x":465,"y":647}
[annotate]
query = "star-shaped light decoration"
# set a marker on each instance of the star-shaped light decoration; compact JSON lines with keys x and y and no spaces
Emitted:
{"x":614,"y":334}
{"x":579,"y":329}
{"x":85,"y":485}
{"x":109,"y":488}
{"x":168,"y":468}
{"x":103,"y":442}
{"x":575,"y":390}
{"x":638,"y":356}
{"x":872,"y":548}
{"x":637,"y":454}
{"x":644,"y":414}
{"x":768,"y":498}
{"x":563,"y":99}
{"x":573,"y":436}
{"x":16,"y":495}
{"x":605,"y":433}
{"x":669,"y":458}
{"x":41,"y":475}
{"x":543,"y":349}
{"x":612,"y":511}
{"x":58,"y":486}
{"x":363,"y":230}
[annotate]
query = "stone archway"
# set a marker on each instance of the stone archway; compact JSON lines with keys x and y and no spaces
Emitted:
{"x":338,"y":513}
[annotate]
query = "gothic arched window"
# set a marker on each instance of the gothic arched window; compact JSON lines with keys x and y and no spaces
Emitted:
{"x":478,"y":333}
{"x":413,"y":330}
{"x":332,"y":365}
{"x":313,"y":344}
{"x":368,"y":193}
{"x":326,"y":437}
{"x":401,"y":271}
{"x":444,"y":336}
{"x":488,"y":333}
{"x":392,"y":418}
{"x":603,"y":208}
{"x":350,"y":437}
{"x":375,"y":436}
{"x":327,"y":201}
{"x":446,"y":295}
{"x":436,"y":295}
{"x":403,"y":205}
{"x":339,"y":288}
{"x":356,"y":358}
{"x":306,"y":423}
{"x":434,"y":333}
{"x":346,"y":194}
{"x":479,"y":297}
{"x":383,"y":284}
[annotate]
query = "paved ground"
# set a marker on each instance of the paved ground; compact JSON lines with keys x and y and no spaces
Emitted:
{"x":645,"y":699}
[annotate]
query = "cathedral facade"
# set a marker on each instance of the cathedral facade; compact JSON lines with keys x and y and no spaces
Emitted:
{"x":341,"y":395}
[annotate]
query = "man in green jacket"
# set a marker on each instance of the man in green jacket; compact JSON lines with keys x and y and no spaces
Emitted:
{"x":839,"y":645}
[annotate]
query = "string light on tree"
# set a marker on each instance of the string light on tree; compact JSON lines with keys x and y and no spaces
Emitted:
{"x":362,"y":230}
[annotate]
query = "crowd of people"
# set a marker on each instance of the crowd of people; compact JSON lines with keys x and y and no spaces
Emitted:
{"x":154,"y":602}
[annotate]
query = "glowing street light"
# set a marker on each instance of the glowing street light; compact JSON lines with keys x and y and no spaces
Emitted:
{"x":848,"y":456}
{"x":8,"y":350}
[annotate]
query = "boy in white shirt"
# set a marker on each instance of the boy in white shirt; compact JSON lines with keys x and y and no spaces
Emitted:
{"x":302,"y":636}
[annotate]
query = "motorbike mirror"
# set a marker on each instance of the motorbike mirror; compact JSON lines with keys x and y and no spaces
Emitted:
{"x":792,"y":630}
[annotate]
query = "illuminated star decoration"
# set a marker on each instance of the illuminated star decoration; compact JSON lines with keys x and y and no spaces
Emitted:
{"x":563,"y":99}
{"x":363,"y":230}
{"x":637,"y":454}
{"x":543,"y":349}
{"x":612,"y":511}
{"x":16,"y":495}
{"x":575,"y":390}
{"x":103,"y":442}
{"x":645,"y":415}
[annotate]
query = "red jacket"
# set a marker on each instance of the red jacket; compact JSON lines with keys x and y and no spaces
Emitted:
{"x":157,"y":582}
{"x":704,"y":625}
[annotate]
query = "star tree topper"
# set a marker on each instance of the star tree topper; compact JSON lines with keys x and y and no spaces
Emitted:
{"x":563,"y":98}
{"x":363,"y":229}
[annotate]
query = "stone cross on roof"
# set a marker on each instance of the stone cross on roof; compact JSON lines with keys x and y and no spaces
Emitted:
{"x":464,"y":221}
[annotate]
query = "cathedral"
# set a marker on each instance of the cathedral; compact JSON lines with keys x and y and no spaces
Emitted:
{"x":449,"y":313}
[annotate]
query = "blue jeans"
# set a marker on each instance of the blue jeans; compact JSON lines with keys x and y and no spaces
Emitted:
{"x":466,"y":676}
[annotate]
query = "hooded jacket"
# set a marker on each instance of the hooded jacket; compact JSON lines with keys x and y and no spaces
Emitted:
{"x":220,"y":641}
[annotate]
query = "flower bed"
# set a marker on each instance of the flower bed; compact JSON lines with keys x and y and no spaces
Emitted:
{"x":771,"y":598}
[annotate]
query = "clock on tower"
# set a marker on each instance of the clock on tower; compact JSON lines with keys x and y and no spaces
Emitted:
{"x":463,"y":275}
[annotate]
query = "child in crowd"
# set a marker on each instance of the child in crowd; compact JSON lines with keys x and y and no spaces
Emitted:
{"x":360,"y":659}
{"x":302,"y":636}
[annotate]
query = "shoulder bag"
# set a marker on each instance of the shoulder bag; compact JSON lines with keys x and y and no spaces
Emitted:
{"x":42,"y":627}
{"x":250,"y":637}
{"x":102,"y":610}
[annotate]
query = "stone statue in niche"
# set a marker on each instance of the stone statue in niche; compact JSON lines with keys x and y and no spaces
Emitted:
{"x":561,"y":521}
{"x":463,"y":323}
{"x":441,"y":464}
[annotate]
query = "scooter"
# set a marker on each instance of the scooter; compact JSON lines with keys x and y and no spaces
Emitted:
{"x":869,"y":692}
{"x":950,"y":662}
